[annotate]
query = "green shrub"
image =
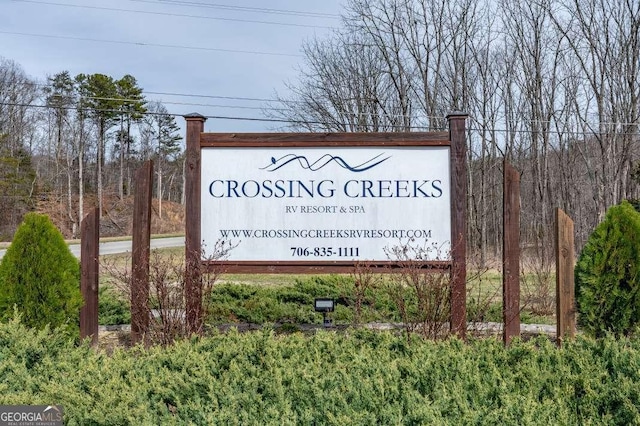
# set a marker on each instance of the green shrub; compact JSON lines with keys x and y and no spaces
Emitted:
{"x":254,"y":304}
{"x":635,"y":202}
{"x":113,"y":309}
{"x":607,"y":274}
{"x":40,"y":276}
{"x":358,"y":377}
{"x":231,"y":302}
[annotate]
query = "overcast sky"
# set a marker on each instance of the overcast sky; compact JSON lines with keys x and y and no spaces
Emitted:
{"x":217,"y":48}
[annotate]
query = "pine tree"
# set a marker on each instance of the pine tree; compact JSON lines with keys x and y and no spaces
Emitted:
{"x":132,"y":109}
{"x":101,"y":101}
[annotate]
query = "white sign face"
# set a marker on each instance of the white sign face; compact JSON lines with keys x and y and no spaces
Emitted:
{"x":326,"y":203}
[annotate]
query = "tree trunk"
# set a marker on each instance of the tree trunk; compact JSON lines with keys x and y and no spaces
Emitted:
{"x":101,"y":135}
{"x":121,"y":177}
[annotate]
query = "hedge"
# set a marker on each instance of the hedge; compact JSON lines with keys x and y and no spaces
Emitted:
{"x":357,"y":377}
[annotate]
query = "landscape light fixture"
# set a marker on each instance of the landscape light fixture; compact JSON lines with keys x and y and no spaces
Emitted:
{"x":324,"y":305}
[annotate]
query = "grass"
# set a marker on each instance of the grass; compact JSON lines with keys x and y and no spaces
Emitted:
{"x":267,"y":280}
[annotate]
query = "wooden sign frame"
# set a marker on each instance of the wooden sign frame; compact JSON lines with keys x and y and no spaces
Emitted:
{"x":455,"y":138}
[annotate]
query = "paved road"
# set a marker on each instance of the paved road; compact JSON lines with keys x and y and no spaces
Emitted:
{"x":114,"y":247}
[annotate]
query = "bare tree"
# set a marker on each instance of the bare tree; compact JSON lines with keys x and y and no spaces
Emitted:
{"x":536,"y":50}
{"x":551,"y":85}
{"x":162,"y":143}
{"x":343,"y":90}
{"x":61,"y":98}
{"x":18,"y":133}
{"x":602,"y":38}
{"x":486,"y":106}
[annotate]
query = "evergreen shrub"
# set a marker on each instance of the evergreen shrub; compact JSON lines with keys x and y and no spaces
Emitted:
{"x":607,"y":275}
{"x":635,"y":202}
{"x":113,"y":308}
{"x":259,"y":304}
{"x":358,"y":377}
{"x":40,"y":277}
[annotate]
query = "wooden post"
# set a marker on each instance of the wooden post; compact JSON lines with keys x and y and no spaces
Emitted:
{"x":565,"y":290}
{"x":193,"y":241}
{"x":511,"y":254}
{"x":141,"y":247}
{"x":458,"y":158}
{"x":89,"y":252}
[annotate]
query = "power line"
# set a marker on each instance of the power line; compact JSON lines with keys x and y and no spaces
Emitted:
{"x":87,"y":109}
{"x":215,"y":117}
{"x":285,"y":101}
{"x":365,"y":114}
{"x":343,"y":113}
{"x":220,"y":106}
{"x":307,"y":122}
{"x":239,"y":98}
{"x":170,"y":46}
{"x":346,"y":113}
{"x":190,"y":95}
{"x":112,"y":9}
{"x":480,"y":127}
{"x":243,"y":8}
{"x":235,"y":98}
{"x":193,"y":95}
{"x":126,"y":100}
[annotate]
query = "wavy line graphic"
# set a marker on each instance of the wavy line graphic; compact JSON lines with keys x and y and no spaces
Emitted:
{"x":322,"y":162}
